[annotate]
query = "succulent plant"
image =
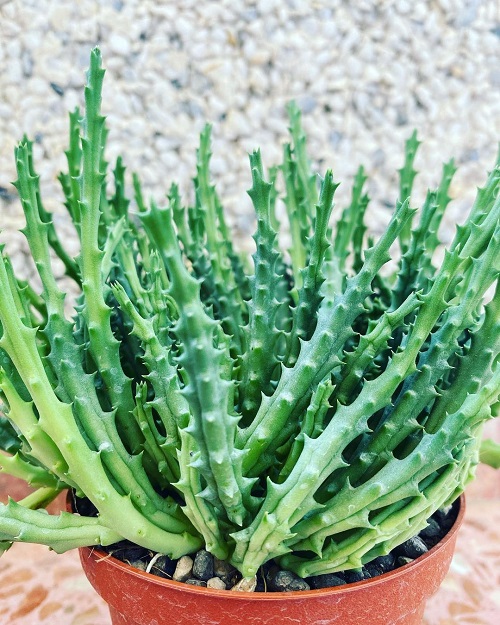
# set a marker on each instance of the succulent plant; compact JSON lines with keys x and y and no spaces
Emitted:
{"x":312,"y":405}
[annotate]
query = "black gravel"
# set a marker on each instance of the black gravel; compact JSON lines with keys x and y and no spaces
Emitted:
{"x":326,"y":581}
{"x":355,"y":575}
{"x":411,"y":548}
{"x":431,"y":534}
{"x":286,"y":581}
{"x":385,"y":563}
{"x":203,"y":567}
{"x":373,"y":569}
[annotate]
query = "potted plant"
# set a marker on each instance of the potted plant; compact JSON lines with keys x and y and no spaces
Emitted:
{"x":297,"y":417}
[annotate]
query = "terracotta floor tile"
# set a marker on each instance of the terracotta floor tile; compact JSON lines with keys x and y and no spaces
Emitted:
{"x":48,"y":596}
{"x":470,"y":594}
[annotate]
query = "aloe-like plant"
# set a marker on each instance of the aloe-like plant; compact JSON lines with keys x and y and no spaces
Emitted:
{"x":312,"y":406}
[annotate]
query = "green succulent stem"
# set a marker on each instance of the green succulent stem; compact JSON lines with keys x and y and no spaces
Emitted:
{"x":318,"y":357}
{"x":75,"y":384}
{"x":32,"y":474}
{"x":96,"y":313}
{"x":260,"y":360}
{"x":208,"y":393}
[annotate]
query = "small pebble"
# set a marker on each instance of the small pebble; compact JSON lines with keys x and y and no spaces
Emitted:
{"x":444,"y":517}
{"x":432,"y":530}
{"x":196,"y":582}
{"x":412,"y":548}
{"x":356,"y":575}
{"x":118,"y":43}
{"x":183,"y":570}
{"x":226,"y":572}
{"x":246,"y":584}
{"x":217,"y":583}
{"x":286,"y":581}
{"x":203,"y":566}
{"x":325,"y":581}
{"x":386,"y":563}
{"x":128,"y":554}
{"x":431,"y":534}
{"x":402,"y":560}
{"x":374,"y":569}
{"x":6,"y":195}
{"x":139,"y":564}
{"x":57,"y":88}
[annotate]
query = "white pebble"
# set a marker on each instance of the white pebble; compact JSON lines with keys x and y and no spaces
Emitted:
{"x":246,"y":584}
{"x":183,"y":570}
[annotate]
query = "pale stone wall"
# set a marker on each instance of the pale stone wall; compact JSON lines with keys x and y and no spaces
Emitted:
{"x":365,"y":73}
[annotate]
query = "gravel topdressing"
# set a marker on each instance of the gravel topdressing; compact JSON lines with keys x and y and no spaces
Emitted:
{"x":202,"y":569}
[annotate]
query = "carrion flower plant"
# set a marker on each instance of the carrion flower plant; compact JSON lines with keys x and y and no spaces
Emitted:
{"x":306,"y":406}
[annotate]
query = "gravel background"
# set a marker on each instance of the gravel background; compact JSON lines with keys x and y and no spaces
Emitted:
{"x":365,"y":74}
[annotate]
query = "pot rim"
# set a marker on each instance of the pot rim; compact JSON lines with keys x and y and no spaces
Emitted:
{"x":99,"y":555}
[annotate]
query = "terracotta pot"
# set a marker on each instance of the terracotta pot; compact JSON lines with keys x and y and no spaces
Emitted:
{"x":397,"y":597}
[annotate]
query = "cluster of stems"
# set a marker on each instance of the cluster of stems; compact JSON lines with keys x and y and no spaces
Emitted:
{"x":314,"y":405}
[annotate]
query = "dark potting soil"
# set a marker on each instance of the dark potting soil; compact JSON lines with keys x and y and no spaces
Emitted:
{"x":203,"y":569}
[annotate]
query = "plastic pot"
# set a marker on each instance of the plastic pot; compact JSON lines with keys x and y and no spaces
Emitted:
{"x":397,"y":597}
